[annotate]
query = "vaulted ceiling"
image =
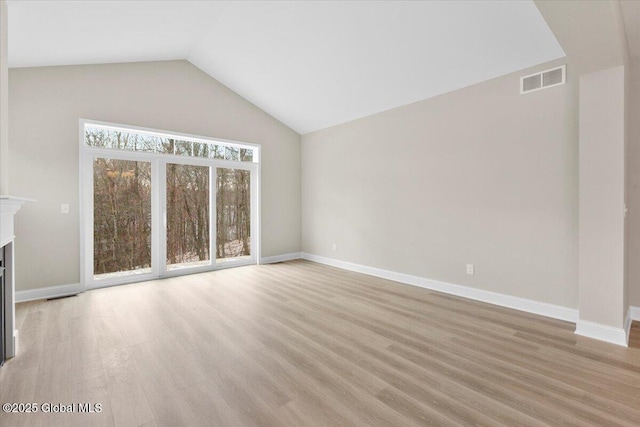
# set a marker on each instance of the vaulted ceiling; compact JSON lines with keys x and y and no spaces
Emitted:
{"x":310,"y":64}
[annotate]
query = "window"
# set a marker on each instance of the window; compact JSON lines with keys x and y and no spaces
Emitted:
{"x":157,"y":204}
{"x":117,"y":138}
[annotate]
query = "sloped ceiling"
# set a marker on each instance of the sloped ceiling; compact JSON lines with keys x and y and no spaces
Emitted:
{"x":309,"y":64}
{"x":592,"y":33}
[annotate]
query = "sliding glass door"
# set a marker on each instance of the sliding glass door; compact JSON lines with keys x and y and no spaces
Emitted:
{"x":187,"y":216}
{"x":155,"y":206}
{"x":233,"y":215}
{"x":121,"y":218}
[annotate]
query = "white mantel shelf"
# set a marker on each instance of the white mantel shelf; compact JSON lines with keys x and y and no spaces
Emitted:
{"x":17,"y":199}
{"x":9,"y":205}
{"x":14,"y":200}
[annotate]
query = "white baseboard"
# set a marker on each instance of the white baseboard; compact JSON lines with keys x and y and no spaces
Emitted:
{"x":16,"y":342}
{"x":48,"y":292}
{"x":602,"y":332}
{"x":63,"y":290}
{"x":627,"y":325}
{"x":632,"y":314}
{"x":517,"y":303}
{"x":280,"y":258}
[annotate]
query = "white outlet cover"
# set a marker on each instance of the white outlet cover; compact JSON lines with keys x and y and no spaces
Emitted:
{"x":64,"y":208}
{"x":470,"y":269}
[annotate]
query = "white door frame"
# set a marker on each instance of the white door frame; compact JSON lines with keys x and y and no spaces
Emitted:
{"x":158,"y":204}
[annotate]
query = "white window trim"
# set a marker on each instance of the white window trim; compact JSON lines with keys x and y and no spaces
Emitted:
{"x":158,"y":202}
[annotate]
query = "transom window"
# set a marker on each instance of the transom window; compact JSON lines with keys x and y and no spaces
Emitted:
{"x":111,"y":137}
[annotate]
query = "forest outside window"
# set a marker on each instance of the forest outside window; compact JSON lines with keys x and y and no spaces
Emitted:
{"x":110,"y":137}
{"x":158,"y":204}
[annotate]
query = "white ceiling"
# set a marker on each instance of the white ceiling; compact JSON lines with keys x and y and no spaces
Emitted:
{"x":631,"y":16}
{"x":310,"y":64}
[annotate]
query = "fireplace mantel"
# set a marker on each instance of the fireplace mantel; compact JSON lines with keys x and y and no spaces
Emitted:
{"x":9,"y":205}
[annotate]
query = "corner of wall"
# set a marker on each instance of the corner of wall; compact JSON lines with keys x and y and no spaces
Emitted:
{"x":633,"y":182}
{"x":4,"y":101}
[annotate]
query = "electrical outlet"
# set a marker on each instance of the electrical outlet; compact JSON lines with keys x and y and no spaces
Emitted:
{"x":470,"y":269}
{"x":64,"y":208}
{"x":334,"y":247}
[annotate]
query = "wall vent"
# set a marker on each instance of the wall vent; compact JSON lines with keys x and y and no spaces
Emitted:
{"x":543,"y":80}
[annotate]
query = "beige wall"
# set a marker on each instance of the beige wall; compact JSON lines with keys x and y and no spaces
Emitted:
{"x":602,"y":197}
{"x":633,"y":219}
{"x":4,"y":102}
{"x":482,"y":175}
{"x":591,"y":33}
{"x":45,"y":105}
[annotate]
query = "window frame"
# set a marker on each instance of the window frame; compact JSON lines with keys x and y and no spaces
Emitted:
{"x":158,"y":161}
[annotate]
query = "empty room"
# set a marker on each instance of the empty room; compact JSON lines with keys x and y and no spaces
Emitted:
{"x":319,"y":213}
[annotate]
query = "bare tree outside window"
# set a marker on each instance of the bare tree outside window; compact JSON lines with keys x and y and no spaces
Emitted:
{"x":122,"y":203}
{"x":187,"y":216}
{"x":122,"y":216}
{"x":233,"y":215}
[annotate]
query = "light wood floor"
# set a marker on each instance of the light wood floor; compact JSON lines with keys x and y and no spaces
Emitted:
{"x":634,"y":336}
{"x":299,"y":344}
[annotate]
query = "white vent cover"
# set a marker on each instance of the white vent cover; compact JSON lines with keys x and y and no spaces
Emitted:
{"x":544,"y":79}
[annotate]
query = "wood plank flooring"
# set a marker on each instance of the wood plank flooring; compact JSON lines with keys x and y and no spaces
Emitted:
{"x":634,"y":335}
{"x":302,"y":344}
